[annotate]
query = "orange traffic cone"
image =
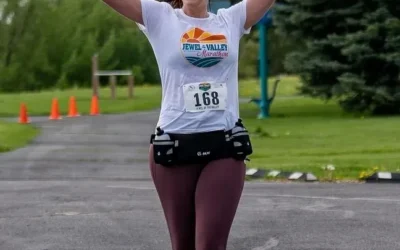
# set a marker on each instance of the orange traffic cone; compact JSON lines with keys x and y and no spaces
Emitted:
{"x":55,"y":112}
{"x":23,"y":114}
{"x":94,"y":108}
{"x":73,"y":110}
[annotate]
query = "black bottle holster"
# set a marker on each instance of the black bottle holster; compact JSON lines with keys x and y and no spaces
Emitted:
{"x":171,"y":150}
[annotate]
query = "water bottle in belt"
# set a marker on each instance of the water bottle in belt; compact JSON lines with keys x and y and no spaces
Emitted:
{"x":240,"y":139}
{"x":163,"y":147}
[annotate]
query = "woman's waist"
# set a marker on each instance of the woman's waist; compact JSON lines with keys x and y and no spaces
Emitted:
{"x":188,"y":123}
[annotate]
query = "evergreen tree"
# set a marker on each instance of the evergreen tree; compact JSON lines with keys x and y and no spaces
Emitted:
{"x":352,"y":51}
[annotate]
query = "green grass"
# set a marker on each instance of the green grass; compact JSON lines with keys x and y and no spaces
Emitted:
{"x":306,"y":134}
{"x":145,"y":98}
{"x":14,"y":135}
{"x":302,"y":134}
{"x":287,"y":87}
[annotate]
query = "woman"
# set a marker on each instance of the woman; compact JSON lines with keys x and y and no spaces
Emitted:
{"x":197,"y":153}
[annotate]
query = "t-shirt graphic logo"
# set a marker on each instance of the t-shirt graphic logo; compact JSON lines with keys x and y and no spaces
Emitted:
{"x":203,"y":49}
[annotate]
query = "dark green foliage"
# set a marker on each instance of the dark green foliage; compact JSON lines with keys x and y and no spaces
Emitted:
{"x":352,"y":51}
{"x":49,"y":44}
{"x":278,"y":47}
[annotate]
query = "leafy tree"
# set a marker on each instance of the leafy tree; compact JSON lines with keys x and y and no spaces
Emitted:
{"x":50,"y":43}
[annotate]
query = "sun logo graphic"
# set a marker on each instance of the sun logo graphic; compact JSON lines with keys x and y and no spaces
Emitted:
{"x":203,"y":49}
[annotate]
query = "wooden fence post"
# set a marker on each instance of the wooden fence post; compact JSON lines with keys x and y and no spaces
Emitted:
{"x":113,"y":80}
{"x":95,"y":78}
{"x":131,"y":83}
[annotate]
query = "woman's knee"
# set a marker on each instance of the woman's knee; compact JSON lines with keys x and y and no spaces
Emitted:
{"x":210,"y":243}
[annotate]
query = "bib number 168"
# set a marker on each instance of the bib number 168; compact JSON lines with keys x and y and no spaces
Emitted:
{"x":206,"y":99}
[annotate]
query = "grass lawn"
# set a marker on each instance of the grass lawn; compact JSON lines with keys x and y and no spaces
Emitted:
{"x":14,"y":135}
{"x":145,"y":98}
{"x":306,"y":134}
{"x":302,"y":134}
{"x":287,"y":87}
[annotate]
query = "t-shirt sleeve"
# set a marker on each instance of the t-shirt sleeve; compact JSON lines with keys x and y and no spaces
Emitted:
{"x":154,"y":15}
{"x":235,"y":17}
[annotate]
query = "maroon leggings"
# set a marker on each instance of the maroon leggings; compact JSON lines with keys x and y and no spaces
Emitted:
{"x":199,"y":201}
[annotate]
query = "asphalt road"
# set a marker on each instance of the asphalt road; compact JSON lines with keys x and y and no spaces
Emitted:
{"x":84,"y":184}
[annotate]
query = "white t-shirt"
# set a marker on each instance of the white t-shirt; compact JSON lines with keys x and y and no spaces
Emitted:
{"x":196,"y":55}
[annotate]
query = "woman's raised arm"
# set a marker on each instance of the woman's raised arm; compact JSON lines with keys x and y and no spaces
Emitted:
{"x":255,"y":10}
{"x":131,"y":9}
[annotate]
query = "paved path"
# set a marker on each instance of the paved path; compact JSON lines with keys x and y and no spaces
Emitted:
{"x":84,"y":184}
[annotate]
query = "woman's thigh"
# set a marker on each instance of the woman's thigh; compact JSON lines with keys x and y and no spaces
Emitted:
{"x":218,"y":193}
{"x":176,"y":188}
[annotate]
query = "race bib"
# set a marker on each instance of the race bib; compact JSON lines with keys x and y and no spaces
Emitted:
{"x":204,"y":96}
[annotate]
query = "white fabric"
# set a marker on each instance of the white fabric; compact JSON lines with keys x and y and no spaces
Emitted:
{"x":195,"y":50}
